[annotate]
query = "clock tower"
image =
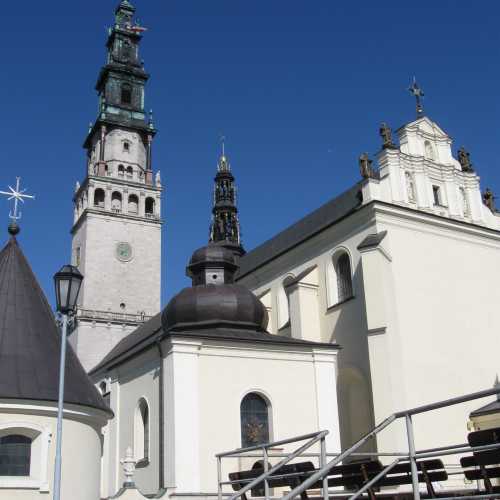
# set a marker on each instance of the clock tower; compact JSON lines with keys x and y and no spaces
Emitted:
{"x":117,"y":222}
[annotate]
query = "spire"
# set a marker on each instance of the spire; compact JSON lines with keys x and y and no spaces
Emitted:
{"x":418,"y":93}
{"x":225,"y":227}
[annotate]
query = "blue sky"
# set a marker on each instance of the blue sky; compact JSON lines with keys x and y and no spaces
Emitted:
{"x":299,"y":89}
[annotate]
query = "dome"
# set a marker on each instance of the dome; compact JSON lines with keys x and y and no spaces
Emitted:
{"x":214,"y":300}
{"x":228,"y":305}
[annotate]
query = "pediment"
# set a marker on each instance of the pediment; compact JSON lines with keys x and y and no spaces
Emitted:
{"x":426,"y":127}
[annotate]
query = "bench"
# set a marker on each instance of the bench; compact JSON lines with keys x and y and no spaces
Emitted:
{"x":483,"y":465}
{"x":351,"y":476}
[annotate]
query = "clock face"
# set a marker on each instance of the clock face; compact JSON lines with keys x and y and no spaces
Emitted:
{"x":124,"y":252}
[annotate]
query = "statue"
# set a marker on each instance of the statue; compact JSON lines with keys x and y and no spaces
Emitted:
{"x":489,"y":199}
{"x":129,"y":464}
{"x":365,"y":166}
{"x":464,"y":160}
{"x":386,"y":134}
{"x":158,"y":179}
{"x":77,"y":187}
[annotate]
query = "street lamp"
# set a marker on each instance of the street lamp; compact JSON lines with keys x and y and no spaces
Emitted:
{"x":67,"y":282}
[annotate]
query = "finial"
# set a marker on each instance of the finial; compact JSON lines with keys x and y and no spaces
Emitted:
{"x":129,"y":464}
{"x":464,"y":160}
{"x":386,"y":134}
{"x":223,"y":144}
{"x":16,"y":194}
{"x":418,"y":93}
{"x":151,"y":119}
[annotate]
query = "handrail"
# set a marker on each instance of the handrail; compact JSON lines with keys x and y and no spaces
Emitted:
{"x":324,"y":470}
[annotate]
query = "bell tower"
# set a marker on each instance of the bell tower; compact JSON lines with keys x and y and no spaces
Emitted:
{"x":117,"y":218}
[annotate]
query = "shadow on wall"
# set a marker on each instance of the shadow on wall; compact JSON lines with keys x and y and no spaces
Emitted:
{"x":355,"y":401}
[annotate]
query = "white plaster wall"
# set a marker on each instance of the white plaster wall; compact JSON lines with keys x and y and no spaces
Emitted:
{"x":81,"y":448}
{"x":443,"y":341}
{"x":115,"y":153}
{"x":136,"y":379}
{"x":344,"y":323}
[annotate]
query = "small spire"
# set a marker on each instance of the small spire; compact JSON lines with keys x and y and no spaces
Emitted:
{"x":151,"y":119}
{"x":418,"y":93}
{"x":223,"y":165}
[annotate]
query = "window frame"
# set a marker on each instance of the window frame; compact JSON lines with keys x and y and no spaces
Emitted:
{"x":39,"y":460}
{"x":142,"y":433}
{"x":332,"y":285}
{"x":267,"y":401}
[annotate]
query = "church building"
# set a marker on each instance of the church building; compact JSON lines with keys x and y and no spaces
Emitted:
{"x":374,"y":303}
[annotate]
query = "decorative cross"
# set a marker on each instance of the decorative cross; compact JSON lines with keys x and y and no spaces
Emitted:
{"x":16,"y":194}
{"x":418,"y":93}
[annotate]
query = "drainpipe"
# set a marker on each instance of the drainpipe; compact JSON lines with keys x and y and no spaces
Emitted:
{"x":161,"y":431}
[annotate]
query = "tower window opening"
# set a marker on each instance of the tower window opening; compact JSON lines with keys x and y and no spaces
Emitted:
{"x":126,"y":146}
{"x":342,"y":266}
{"x":121,"y":170}
{"x":126,"y":96}
{"x":130,"y":172}
{"x":150,"y":208}
{"x":15,"y":455}
{"x":133,"y":204}
{"x":99,"y":198}
{"x":116,"y":202}
{"x":254,"y":418}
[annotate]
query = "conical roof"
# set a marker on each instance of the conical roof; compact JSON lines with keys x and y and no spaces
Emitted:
{"x":30,"y":340}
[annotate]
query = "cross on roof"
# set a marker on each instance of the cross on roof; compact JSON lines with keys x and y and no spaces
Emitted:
{"x":16,"y":194}
{"x":418,"y":93}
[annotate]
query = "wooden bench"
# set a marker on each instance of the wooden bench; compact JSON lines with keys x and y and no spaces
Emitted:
{"x":351,"y":476}
{"x":483,"y":465}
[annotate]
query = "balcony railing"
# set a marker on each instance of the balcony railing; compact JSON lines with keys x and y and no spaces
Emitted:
{"x":111,"y":316}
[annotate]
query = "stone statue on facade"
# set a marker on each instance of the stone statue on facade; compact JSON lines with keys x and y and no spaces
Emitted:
{"x":77,"y":187}
{"x":489,"y":199}
{"x":386,"y":134}
{"x":158,"y":179}
{"x":464,"y":160}
{"x":365,"y":166}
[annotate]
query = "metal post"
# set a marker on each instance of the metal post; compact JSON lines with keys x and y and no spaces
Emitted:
{"x":266,"y":468}
{"x":411,"y":452}
{"x":322,"y":463}
{"x":57,"y":472}
{"x":219,"y":477}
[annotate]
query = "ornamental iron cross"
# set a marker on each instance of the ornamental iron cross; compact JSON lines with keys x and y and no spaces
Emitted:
{"x":16,"y":194}
{"x":418,"y":93}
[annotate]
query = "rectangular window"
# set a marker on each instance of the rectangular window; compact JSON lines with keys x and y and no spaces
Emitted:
{"x":436,"y":193}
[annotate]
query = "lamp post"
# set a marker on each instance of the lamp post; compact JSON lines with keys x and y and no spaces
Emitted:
{"x":67,"y":282}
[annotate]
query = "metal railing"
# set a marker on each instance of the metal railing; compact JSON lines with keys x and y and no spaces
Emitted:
{"x":112,"y":316}
{"x":321,"y":475}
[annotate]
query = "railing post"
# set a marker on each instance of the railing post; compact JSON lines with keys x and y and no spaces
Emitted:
{"x":266,"y":468}
{"x":411,"y":453}
{"x":322,"y":463}
{"x":219,"y":478}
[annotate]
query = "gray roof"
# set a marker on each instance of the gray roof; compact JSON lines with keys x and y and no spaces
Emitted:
{"x":30,"y":341}
{"x":325,"y":216}
{"x":151,"y":332}
{"x":488,"y":409}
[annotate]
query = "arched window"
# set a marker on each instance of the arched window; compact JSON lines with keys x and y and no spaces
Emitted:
{"x":141,"y":434}
{"x":126,"y":146}
{"x":15,"y":455}
{"x":99,"y":198}
{"x":150,"y":207}
{"x":133,"y":204}
{"x":410,"y":188}
{"x":130,"y":172}
{"x":254,"y":416}
{"x":116,"y":202}
{"x":429,"y":151}
{"x":126,"y":96}
{"x":121,"y":170}
{"x":342,"y":266}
